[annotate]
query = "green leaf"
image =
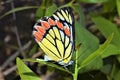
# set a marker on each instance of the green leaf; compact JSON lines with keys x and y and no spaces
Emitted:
{"x":47,"y":3}
{"x":110,"y":50}
{"x":106,"y":69}
{"x":77,"y":8}
{"x":118,"y":57}
{"x":89,"y":43}
{"x":93,"y":1}
{"x":107,"y":27}
{"x":96,"y":64}
{"x":109,"y":6}
{"x":97,"y":53}
{"x":17,"y":9}
{"x":41,"y":61}
{"x":118,"y":7}
{"x":24,"y":72}
{"x":40,"y":12}
{"x":117,"y":76}
{"x":50,"y":10}
{"x":34,"y":49}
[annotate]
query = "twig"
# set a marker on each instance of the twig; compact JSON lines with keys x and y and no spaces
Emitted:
{"x":19,"y":42}
{"x":37,"y":54}
{"x":1,"y":74}
{"x":12,"y":5}
{"x":6,"y":2}
{"x":12,"y":57}
{"x":10,"y":70}
{"x":16,"y":31}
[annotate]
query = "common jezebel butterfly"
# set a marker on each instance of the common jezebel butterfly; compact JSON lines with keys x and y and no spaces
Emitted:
{"x":56,"y":36}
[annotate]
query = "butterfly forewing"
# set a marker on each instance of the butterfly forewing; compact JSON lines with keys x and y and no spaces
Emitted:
{"x":55,"y":35}
{"x":65,"y":15}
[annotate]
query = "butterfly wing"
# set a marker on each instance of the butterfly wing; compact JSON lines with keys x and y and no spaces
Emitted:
{"x":65,"y":15}
{"x":55,"y":35}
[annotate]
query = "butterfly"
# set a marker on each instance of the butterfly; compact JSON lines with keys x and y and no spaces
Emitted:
{"x":56,"y":36}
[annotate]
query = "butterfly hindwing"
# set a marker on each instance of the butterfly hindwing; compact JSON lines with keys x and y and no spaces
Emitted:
{"x":55,"y":35}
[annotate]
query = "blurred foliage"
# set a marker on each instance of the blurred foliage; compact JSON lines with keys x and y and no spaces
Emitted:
{"x":24,"y":72}
{"x":104,"y":58}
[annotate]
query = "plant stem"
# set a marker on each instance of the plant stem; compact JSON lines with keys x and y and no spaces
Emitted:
{"x":72,"y":1}
{"x":68,"y":4}
{"x":75,"y":74}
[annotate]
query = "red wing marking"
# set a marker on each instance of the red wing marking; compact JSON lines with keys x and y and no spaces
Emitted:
{"x":59,"y":24}
{"x":37,"y":35}
{"x":67,"y":32}
{"x":51,"y":21}
{"x":40,"y":29}
{"x":45,"y":24}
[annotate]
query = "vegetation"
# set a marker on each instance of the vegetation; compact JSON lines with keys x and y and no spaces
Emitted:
{"x":95,"y":58}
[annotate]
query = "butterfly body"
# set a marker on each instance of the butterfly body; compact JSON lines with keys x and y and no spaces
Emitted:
{"x":55,"y":36}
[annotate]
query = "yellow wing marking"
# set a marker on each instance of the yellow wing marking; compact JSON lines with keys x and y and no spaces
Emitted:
{"x":50,"y":39}
{"x":50,"y":46}
{"x":62,"y":35}
{"x":55,"y":17}
{"x":49,"y":53}
{"x":65,"y":16}
{"x":66,"y":41}
{"x":68,"y":50}
{"x":57,"y":33}
{"x":70,"y":19}
{"x":66,"y":12}
{"x":68,"y":54}
{"x":61,"y":17}
{"x":60,"y":47}
{"x":67,"y":59}
{"x":51,"y":33}
{"x":69,"y":16}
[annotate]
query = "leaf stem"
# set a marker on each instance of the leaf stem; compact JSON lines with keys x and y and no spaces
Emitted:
{"x":75,"y":74}
{"x":68,"y":4}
